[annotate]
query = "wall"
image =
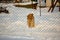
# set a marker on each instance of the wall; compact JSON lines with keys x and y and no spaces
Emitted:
{"x":48,"y":3}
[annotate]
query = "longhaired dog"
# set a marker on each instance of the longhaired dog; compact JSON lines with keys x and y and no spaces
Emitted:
{"x":30,"y":20}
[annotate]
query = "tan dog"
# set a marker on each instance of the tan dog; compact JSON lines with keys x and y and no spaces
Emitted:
{"x":30,"y":20}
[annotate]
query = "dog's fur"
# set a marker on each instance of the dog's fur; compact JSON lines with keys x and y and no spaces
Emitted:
{"x":30,"y":20}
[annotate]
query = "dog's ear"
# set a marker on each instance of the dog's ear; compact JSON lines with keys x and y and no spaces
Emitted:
{"x":32,"y":14}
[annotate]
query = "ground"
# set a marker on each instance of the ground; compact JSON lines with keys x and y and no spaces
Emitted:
{"x":13,"y":26}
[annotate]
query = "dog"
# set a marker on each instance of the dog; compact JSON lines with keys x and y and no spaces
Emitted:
{"x":30,"y":20}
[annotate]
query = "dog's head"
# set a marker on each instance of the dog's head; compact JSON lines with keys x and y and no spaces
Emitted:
{"x":30,"y":15}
